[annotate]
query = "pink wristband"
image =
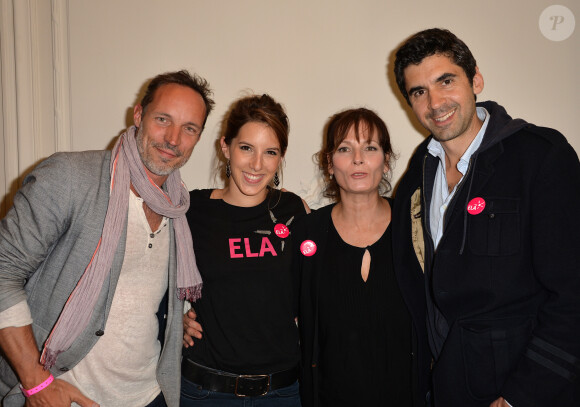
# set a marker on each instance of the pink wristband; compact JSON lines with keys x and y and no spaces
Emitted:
{"x":41,"y":386}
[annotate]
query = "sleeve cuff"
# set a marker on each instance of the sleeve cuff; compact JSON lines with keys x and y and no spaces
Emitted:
{"x":16,"y":316}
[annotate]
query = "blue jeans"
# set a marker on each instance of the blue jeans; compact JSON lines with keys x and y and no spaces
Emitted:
{"x":192,"y":395}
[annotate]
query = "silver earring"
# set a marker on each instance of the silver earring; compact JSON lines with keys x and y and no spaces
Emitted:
{"x":228,"y":169}
{"x":276,"y":179}
{"x":331,"y":175}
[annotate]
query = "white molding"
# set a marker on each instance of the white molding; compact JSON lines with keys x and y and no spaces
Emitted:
{"x":24,"y":83}
{"x":35,"y":65}
{"x":35,"y":86}
{"x":11,"y":170}
{"x":61,"y":64}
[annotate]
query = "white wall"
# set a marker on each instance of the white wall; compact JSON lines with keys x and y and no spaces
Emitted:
{"x":314,"y":56}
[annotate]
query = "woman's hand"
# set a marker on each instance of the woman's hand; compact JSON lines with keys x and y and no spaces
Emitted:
{"x":191,"y":328}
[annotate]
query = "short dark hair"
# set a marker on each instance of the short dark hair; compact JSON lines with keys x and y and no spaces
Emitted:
{"x":337,"y":130}
{"x":434,"y":41}
{"x":183,"y":78}
{"x":260,"y":109}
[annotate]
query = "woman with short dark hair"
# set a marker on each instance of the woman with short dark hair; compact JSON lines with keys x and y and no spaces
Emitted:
{"x":355,"y":328}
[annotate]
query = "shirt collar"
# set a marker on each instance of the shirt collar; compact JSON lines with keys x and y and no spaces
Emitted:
{"x":435,"y":149}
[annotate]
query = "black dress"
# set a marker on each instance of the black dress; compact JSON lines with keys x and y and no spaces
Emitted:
{"x":364,"y":328}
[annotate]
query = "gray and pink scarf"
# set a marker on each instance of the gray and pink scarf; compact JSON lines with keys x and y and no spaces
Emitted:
{"x":126,"y":169}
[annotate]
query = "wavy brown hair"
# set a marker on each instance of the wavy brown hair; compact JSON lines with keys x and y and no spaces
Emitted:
{"x":260,"y":109}
{"x":257,"y":109}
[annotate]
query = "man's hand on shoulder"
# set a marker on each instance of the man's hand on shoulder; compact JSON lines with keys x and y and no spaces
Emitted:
{"x":59,"y":394}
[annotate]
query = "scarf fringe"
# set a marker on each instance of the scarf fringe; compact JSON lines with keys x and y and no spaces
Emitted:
{"x":191,"y":294}
{"x":48,"y":358}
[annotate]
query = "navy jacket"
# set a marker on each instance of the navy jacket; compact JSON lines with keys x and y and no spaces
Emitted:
{"x":503,"y":286}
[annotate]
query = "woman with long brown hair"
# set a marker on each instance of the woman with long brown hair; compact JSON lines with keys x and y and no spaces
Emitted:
{"x":248,"y":351}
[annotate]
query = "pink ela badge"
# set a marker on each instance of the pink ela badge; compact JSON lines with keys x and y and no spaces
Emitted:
{"x":308,"y":247}
{"x":476,"y":206}
{"x":281,"y":230}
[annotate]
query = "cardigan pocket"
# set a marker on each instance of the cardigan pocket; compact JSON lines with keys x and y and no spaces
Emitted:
{"x":491,"y":350}
{"x":496,"y":230}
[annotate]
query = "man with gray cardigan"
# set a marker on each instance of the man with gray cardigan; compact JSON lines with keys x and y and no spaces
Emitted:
{"x":94,"y":253}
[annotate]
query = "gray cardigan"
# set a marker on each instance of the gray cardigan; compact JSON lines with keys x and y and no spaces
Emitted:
{"x":46,"y":242}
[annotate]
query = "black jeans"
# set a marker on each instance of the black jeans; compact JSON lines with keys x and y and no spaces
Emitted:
{"x":158,"y":402}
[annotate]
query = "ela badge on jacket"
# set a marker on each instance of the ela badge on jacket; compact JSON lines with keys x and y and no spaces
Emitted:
{"x":476,"y":206}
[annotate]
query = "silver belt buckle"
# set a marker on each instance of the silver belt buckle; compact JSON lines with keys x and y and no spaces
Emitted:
{"x":252,"y":376}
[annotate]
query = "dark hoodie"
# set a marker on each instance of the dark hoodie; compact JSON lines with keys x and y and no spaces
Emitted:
{"x":500,"y":126}
{"x":502,"y":289}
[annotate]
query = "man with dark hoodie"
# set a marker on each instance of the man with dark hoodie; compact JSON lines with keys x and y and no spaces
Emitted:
{"x":488,"y":211}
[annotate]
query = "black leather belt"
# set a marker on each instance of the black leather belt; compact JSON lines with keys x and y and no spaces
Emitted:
{"x":240,"y":385}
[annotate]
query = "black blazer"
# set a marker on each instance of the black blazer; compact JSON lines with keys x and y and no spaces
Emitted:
{"x":503,"y":285}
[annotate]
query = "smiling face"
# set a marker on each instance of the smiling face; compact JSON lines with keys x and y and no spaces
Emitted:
{"x":358,"y":165}
{"x":443,"y":98}
{"x":254,"y":156}
{"x":169,"y":129}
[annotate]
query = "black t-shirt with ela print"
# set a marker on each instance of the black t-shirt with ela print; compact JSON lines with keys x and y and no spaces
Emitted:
{"x":244,"y":256}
